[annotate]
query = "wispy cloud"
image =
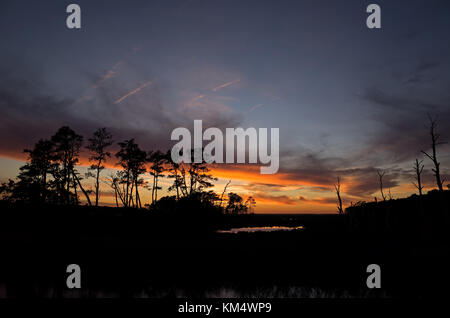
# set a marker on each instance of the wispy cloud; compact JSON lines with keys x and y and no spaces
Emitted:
{"x":325,"y":200}
{"x":121,"y":99}
{"x":277,"y":199}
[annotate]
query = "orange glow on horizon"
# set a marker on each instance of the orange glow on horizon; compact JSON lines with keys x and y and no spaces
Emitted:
{"x":268,"y":200}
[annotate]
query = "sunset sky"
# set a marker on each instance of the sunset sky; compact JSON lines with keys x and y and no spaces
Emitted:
{"x":348,"y":100}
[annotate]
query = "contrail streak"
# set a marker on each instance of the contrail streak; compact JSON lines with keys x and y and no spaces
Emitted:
{"x":255,"y":107}
{"x":132,"y":92}
{"x":197,"y":98}
{"x":215,"y":89}
{"x":110,"y":74}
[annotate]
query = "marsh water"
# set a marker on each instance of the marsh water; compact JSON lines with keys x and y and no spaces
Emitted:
{"x":260,"y":229}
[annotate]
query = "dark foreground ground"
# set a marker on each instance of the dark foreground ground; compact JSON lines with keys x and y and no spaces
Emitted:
{"x":124,"y":253}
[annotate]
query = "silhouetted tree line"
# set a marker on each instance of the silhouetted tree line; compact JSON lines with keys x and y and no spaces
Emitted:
{"x":418,"y":169}
{"x":418,"y":217}
{"x":50,"y":176}
{"x":422,"y":216}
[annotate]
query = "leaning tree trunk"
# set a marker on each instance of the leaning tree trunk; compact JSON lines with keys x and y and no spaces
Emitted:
{"x":97,"y":185}
{"x":82,"y":189}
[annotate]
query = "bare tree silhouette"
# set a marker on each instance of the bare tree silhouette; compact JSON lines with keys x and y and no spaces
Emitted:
{"x":389,"y":194}
{"x":418,"y":168}
{"x":98,"y":143}
{"x":224,"y":190}
{"x":337,"y":188}
{"x":380,"y":177}
{"x":433,"y":157}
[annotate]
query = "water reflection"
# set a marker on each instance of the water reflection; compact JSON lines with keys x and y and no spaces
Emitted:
{"x":261,"y":229}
